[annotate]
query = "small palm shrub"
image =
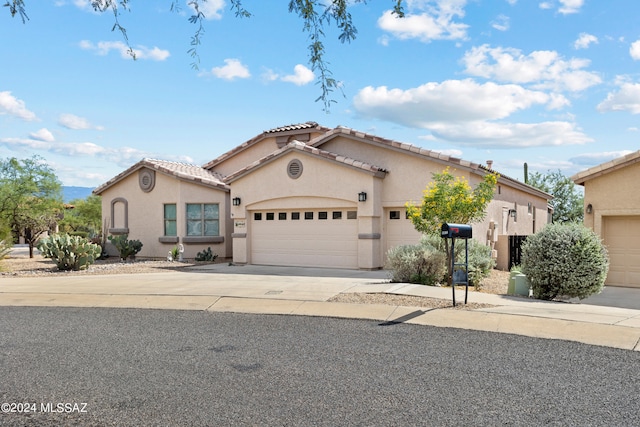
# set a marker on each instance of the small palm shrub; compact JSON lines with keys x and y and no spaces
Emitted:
{"x":416,"y":264}
{"x":565,"y":260}
{"x":69,"y":252}
{"x":127,"y":248}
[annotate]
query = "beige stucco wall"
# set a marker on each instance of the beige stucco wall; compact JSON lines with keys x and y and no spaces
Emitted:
{"x":146,"y":213}
{"x":255,"y":152}
{"x":403,"y":183}
{"x":322,"y":184}
{"x":612,"y":194}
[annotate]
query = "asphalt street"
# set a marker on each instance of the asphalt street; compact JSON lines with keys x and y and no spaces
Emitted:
{"x":94,"y":367}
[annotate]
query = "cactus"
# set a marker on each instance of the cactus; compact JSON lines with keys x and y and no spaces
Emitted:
{"x":206,"y":255}
{"x":69,"y":252}
{"x":127,"y":248}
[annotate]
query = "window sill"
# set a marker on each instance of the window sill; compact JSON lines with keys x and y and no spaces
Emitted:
{"x":118,"y":231}
{"x":168,"y":239}
{"x":202,"y":239}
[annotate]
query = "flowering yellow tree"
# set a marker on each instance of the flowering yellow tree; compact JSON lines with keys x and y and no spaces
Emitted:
{"x":450,"y":199}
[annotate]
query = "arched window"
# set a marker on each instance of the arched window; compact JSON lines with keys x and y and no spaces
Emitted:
{"x":119,"y":216}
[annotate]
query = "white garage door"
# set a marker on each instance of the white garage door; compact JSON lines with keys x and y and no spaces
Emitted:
{"x":307,"y":238}
{"x":622,"y":237}
{"x":399,"y":230}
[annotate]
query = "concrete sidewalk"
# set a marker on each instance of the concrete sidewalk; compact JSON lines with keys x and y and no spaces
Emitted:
{"x":306,"y":291}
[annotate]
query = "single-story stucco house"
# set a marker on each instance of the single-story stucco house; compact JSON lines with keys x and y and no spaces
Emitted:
{"x":302,"y":195}
{"x":612,"y":210}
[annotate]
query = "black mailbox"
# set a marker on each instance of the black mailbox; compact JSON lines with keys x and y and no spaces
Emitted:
{"x":458,"y":231}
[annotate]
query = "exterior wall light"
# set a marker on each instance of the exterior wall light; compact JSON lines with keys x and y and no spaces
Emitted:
{"x":362,"y":196}
{"x":236,"y":201}
{"x":589,"y":208}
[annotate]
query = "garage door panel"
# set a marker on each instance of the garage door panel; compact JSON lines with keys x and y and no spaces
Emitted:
{"x":621,"y":235}
{"x":317,"y":242}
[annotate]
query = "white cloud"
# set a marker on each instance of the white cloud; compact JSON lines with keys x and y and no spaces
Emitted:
{"x":42,"y":135}
{"x":141,"y":52}
{"x":584,"y":40}
{"x":233,"y":69}
{"x":570,"y":6}
{"x":510,"y":135}
{"x":212,"y":9}
{"x":627,"y":98}
{"x":566,"y":7}
{"x":501,"y":23}
{"x":71,"y":121}
{"x":122,"y":156}
{"x":450,"y":101}
{"x":592,"y":159}
{"x":634,"y":50}
{"x":466,"y":112}
{"x":545,"y":69}
{"x":300,"y":77}
{"x":434,"y":20}
{"x":13,"y":106}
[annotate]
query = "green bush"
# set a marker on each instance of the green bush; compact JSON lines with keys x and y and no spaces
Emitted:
{"x":480,"y":261}
{"x":416,"y":264}
{"x":565,"y":260}
{"x":127,"y":248}
{"x":69,"y":252}
{"x":206,"y":255}
{"x":5,"y":248}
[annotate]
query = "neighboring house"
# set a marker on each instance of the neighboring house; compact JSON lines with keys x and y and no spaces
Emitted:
{"x":612,"y":210}
{"x":302,"y":195}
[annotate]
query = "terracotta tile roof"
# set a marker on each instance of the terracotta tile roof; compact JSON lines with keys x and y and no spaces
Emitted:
{"x":300,"y":146}
{"x":606,"y":167}
{"x":423,"y":152}
{"x":184,"y":171}
{"x":267,"y":133}
{"x":299,"y":126}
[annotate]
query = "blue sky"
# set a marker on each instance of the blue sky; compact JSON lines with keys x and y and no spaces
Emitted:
{"x":552,"y":83}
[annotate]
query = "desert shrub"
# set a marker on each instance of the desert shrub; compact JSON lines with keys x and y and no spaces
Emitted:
{"x":480,"y":261}
{"x":69,"y":252}
{"x":127,"y":248}
{"x":416,"y":264}
{"x":206,"y":255}
{"x":5,"y":248}
{"x":565,"y":260}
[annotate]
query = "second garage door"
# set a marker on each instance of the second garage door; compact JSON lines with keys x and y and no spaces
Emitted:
{"x":621,"y":235}
{"x":306,"y":238}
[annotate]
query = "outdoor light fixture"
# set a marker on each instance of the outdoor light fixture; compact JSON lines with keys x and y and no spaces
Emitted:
{"x":589,"y":208}
{"x":236,"y":201}
{"x":512,"y":213}
{"x":362,"y":196}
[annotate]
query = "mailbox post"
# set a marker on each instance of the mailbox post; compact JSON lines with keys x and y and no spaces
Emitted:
{"x":453,"y":232}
